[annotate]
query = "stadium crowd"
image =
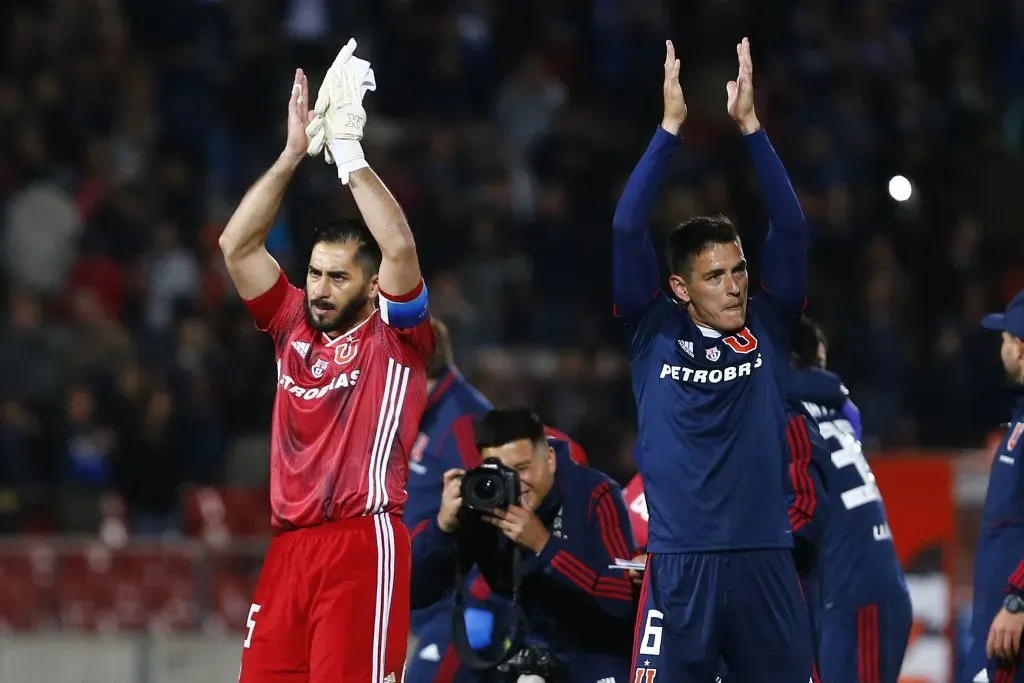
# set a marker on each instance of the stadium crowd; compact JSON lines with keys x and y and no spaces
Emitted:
{"x":506,"y":130}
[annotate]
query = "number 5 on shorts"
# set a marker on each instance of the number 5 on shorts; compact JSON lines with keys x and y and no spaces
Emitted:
{"x":651,"y":642}
{"x":250,"y":624}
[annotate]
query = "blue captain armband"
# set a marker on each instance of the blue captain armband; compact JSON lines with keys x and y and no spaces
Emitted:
{"x":404,"y":311}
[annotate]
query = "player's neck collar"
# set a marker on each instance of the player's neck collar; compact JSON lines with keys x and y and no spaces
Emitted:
{"x":708,"y":332}
{"x":331,"y":342}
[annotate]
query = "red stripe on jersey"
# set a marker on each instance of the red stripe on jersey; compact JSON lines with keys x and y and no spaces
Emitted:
{"x":465,"y":442}
{"x":403,"y":298}
{"x":803,"y":485}
{"x":608,"y":521}
{"x":1017,"y":577}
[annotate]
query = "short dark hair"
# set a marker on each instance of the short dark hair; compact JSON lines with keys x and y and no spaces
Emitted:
{"x":368,"y":254}
{"x":691,"y":237}
{"x":443,"y":357}
{"x":806,"y":338}
{"x":506,"y":425}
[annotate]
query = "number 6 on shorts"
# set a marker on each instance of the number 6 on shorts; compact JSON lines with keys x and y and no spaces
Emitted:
{"x":650,"y":644}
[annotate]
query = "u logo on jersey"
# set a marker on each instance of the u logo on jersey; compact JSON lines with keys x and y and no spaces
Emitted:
{"x":741,"y":342}
{"x":1018,"y":429}
{"x":346,"y":351}
{"x":645,"y":675}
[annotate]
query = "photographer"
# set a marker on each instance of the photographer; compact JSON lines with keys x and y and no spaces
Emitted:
{"x":570,"y":523}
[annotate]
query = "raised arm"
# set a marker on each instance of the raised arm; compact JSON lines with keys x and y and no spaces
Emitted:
{"x":784,"y":266}
{"x":399,"y":267}
{"x":340,"y":117}
{"x":634,"y":261}
{"x":243,"y":242}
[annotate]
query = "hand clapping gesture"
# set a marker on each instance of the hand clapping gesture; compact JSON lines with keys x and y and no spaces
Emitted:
{"x":675,"y":105}
{"x":740,"y":101}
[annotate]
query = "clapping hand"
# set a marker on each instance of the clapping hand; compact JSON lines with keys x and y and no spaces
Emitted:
{"x":740,"y":92}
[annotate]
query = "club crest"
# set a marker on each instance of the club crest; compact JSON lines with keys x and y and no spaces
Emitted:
{"x":346,"y":351}
{"x":713,"y":354}
{"x":319,"y":367}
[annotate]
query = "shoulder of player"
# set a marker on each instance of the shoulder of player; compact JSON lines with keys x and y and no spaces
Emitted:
{"x":661,"y":308}
{"x":587,"y":480}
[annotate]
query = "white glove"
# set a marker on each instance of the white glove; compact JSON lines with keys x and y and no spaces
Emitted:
{"x":339,"y":118}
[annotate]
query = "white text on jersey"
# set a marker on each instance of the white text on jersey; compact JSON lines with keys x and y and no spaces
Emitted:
{"x":341,"y":381}
{"x":726,"y":374}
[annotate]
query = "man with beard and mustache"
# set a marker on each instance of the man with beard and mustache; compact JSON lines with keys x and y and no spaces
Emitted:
{"x":351,"y":390}
{"x":996,"y":653}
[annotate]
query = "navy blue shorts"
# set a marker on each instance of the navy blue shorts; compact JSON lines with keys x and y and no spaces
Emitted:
{"x":741,"y":608}
{"x":865,"y":644}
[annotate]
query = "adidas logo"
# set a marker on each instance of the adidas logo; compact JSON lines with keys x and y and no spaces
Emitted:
{"x":301,"y":347}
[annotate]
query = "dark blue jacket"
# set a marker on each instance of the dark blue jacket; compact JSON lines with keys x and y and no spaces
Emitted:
{"x":445,"y":442}
{"x":574,"y":603}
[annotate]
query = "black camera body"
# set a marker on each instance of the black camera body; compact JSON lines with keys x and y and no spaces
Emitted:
{"x":490,"y":486}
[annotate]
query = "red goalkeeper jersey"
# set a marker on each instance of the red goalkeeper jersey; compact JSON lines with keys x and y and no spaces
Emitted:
{"x":347,"y":409}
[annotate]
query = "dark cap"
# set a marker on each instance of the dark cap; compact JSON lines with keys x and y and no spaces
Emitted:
{"x":1011,"y":320}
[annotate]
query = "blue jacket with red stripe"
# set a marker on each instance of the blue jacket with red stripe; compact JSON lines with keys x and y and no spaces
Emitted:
{"x":999,"y":561}
{"x":808,"y":494}
{"x":574,"y":604}
{"x":445,"y":442}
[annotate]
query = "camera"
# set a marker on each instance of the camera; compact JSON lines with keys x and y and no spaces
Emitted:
{"x":490,"y":486}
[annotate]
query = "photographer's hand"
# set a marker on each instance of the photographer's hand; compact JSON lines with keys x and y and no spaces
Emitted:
{"x":451,"y":501}
{"x":520,"y":526}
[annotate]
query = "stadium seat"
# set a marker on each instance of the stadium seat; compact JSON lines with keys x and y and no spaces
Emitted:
{"x":218,"y":515}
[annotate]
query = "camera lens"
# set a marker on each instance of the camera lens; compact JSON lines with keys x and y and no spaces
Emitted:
{"x":485,"y":489}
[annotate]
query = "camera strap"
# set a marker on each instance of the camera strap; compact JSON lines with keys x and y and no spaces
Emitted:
{"x":460,"y":640}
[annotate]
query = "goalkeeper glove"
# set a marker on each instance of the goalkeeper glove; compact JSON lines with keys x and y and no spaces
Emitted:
{"x":337,"y":127}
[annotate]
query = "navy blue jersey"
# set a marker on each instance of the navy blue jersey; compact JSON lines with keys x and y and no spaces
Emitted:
{"x":573,"y":602}
{"x":859,"y":561}
{"x":438,"y":448}
{"x":712,"y":448}
{"x":999,"y":563}
{"x":809,"y":507}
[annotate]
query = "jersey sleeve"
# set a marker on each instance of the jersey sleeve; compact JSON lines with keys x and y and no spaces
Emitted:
{"x":784,"y":258}
{"x":457,"y":448}
{"x":580,"y":560}
{"x":808,"y":513}
{"x":636,"y":503}
{"x":1015,"y":584}
{"x":278,"y":309}
{"x":634,"y":261}
{"x":404,"y":311}
{"x":406,"y":318}
{"x":434,"y":561}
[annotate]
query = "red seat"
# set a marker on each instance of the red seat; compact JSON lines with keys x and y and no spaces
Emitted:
{"x":219,"y":514}
{"x":25,"y":594}
{"x":84,"y":588}
{"x":234,"y":583}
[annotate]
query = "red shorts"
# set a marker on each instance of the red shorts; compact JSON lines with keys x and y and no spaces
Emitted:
{"x":332,"y":604}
